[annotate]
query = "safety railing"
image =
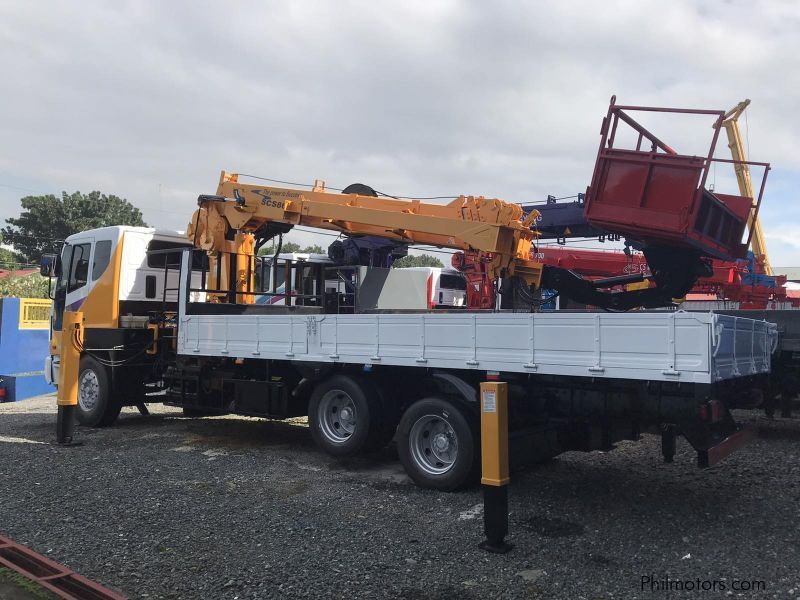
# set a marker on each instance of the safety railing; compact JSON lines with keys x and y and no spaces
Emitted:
{"x":648,"y":190}
{"x":267,"y":281}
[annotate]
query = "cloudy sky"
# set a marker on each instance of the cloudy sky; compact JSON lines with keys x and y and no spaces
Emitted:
{"x":150,"y":100}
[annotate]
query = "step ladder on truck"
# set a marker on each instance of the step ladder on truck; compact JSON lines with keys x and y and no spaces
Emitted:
{"x":462,"y":392}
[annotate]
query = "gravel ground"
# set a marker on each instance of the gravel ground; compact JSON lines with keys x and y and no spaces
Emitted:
{"x":167,"y":507}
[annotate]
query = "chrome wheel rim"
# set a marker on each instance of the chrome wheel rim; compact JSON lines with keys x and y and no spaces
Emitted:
{"x":337,"y":416}
{"x":88,"y":390}
{"x":433,"y":444}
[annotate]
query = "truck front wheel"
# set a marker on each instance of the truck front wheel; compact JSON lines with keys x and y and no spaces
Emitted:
{"x":96,"y":407}
{"x":437,"y":445}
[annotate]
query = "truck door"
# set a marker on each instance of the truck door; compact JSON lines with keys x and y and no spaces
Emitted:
{"x":72,"y":283}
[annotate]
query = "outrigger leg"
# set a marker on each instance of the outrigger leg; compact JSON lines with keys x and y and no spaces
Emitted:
{"x":494,"y":465}
{"x":69,"y":369}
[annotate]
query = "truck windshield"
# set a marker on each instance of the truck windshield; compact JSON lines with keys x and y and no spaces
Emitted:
{"x":453,"y":282}
{"x":60,"y":293}
{"x":63,"y":274}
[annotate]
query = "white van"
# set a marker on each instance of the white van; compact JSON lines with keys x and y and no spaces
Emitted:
{"x":447,"y":287}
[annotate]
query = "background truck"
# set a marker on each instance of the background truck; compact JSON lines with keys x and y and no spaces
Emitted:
{"x":784,"y":380}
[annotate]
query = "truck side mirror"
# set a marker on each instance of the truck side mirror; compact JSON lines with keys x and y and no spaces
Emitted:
{"x":47,"y":265}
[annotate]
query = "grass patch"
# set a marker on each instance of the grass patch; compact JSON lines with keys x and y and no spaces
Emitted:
{"x":29,"y":590}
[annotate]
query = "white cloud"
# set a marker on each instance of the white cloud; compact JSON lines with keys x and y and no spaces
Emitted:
{"x":786,"y":234}
{"x":150,"y":100}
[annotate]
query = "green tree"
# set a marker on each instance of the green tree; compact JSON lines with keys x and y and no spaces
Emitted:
{"x":10,"y":260}
{"x":423,"y":260}
{"x":289,"y":247}
{"x":45,"y":221}
{"x":285,"y":247}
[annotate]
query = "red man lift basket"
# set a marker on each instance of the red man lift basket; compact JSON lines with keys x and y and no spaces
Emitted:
{"x":656,"y":196}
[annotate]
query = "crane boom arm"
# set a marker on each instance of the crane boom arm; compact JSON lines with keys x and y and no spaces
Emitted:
{"x":490,"y":226}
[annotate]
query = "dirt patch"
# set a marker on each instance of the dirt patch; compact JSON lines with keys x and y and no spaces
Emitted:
{"x":553,"y":527}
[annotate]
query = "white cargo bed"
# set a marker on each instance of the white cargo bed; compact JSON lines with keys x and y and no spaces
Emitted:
{"x":687,"y":347}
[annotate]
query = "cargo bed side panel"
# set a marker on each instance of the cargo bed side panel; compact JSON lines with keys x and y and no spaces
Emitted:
{"x":688,"y":347}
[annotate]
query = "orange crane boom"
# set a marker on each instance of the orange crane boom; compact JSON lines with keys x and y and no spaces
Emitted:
{"x":241,"y":214}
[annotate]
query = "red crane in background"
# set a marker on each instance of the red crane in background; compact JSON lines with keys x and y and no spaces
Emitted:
{"x":736,"y":280}
{"x":729,"y":280}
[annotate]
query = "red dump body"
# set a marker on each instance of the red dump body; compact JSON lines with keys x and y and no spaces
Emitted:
{"x":653,"y":194}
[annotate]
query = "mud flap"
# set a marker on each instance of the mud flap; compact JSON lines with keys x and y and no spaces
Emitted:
{"x":715,"y":441}
{"x":711,"y":456}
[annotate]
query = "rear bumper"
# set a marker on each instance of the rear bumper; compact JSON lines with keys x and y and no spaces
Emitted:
{"x":710,"y":457}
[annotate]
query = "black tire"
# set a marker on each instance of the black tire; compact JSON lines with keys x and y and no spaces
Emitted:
{"x":97,"y":406}
{"x":360,"y":431}
{"x":423,"y":421}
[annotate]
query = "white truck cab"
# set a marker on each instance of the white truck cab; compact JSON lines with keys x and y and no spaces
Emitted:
{"x":108,"y":275}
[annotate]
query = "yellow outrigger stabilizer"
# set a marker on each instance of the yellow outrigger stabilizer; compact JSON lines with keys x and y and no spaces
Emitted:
{"x":494,"y":465}
{"x":69,"y":369}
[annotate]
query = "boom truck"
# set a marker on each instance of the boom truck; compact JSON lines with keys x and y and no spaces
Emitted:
{"x":142,"y":315}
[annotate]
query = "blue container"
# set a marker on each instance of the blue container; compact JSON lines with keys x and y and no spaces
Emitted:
{"x":24,"y":345}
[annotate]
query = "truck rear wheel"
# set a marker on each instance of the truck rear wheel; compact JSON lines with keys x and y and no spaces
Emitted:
{"x":437,"y":445}
{"x":344,"y":414}
{"x":96,"y":406}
